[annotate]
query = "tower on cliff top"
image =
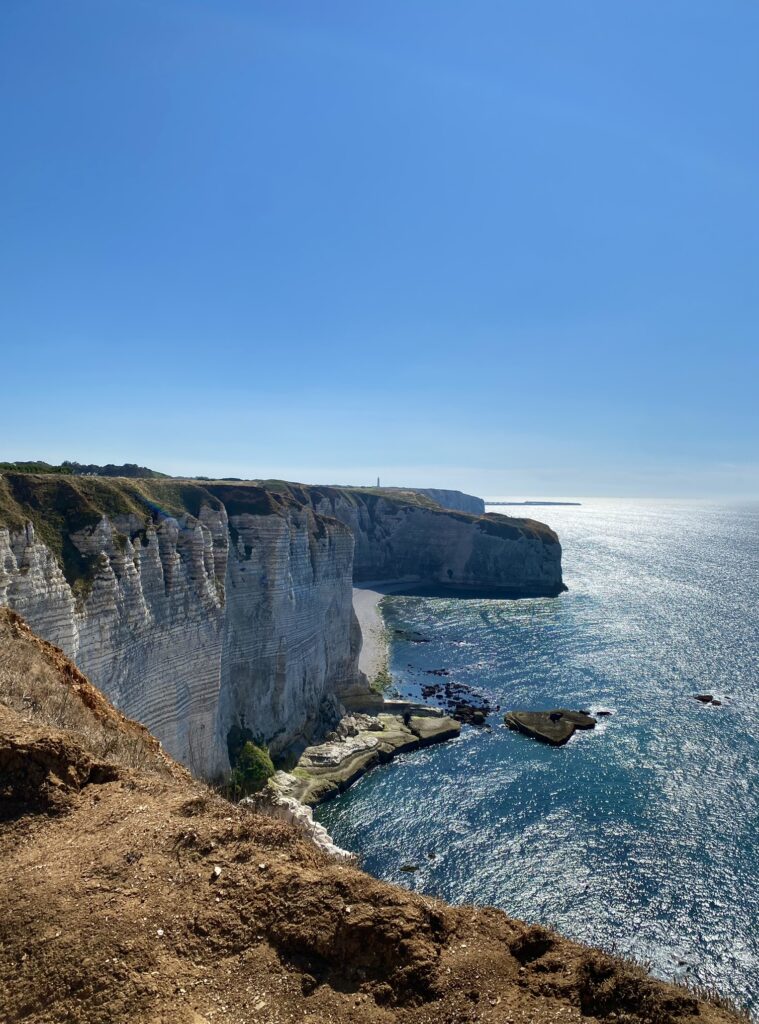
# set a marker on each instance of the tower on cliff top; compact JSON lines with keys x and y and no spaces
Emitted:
{"x":378,"y":483}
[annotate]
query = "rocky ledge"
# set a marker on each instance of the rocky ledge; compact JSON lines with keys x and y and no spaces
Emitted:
{"x":555,"y":727}
{"x":360,"y":742}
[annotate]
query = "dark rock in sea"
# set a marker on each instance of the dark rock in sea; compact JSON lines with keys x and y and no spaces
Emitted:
{"x":555,"y":727}
{"x":603,"y":714}
{"x":716,"y":703}
{"x":408,"y":868}
{"x":411,"y":635}
{"x":705,"y":698}
{"x":436,"y":672}
{"x":470,"y":715}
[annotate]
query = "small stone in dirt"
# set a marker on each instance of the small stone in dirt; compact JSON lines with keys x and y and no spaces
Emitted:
{"x":307,"y":984}
{"x":216,"y":873}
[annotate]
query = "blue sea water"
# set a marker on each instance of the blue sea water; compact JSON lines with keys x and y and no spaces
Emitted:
{"x":641,"y":836}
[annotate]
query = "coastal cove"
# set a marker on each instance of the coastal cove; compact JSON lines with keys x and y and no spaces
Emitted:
{"x":640,"y":836}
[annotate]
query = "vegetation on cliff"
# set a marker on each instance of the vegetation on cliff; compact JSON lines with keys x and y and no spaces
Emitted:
{"x":251,"y":763}
{"x":128,"y":469}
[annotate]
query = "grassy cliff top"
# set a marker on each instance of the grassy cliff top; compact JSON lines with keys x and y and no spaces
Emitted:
{"x":59,"y":504}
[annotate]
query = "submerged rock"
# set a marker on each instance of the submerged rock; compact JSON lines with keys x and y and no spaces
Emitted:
{"x":555,"y":727}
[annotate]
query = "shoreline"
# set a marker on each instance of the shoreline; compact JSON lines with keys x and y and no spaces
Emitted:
{"x":374,"y":655}
{"x":375,"y":648}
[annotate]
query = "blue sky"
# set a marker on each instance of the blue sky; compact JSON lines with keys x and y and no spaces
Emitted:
{"x":506,"y":246}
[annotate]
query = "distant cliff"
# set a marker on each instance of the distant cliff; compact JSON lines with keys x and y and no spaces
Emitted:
{"x":456,"y":500}
{"x":196,"y":607}
{"x":404,"y":534}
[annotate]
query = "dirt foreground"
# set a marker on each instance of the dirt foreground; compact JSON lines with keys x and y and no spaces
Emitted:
{"x":131,"y":892}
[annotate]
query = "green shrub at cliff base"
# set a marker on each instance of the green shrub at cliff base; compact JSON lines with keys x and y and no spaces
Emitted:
{"x":252,"y":770}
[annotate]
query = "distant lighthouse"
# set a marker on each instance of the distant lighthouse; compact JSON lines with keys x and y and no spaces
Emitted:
{"x":378,"y":483}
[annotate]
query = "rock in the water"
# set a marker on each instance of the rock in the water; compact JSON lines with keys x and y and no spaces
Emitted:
{"x":707,"y":698}
{"x":555,"y":727}
{"x":469,"y":713}
{"x":433,"y":730}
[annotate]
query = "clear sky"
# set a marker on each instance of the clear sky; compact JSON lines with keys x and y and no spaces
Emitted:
{"x":504,"y":245}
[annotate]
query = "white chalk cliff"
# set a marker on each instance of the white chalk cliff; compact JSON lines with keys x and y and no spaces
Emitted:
{"x":236,"y":608}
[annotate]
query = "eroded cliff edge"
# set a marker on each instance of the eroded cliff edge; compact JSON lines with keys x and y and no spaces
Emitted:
{"x":199,"y":606}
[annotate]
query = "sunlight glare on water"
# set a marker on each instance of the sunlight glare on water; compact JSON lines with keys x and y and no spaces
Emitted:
{"x":642,"y":836}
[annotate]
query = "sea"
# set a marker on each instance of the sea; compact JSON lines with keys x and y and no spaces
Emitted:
{"x":640,"y":836}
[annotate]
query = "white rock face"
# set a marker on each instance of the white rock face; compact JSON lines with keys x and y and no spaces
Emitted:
{"x":396,"y":540}
{"x":241,"y":612}
{"x":204,"y":623}
{"x":457,"y":500}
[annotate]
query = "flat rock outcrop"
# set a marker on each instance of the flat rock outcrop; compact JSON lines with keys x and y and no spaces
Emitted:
{"x":556,"y":727}
{"x":361,"y":742}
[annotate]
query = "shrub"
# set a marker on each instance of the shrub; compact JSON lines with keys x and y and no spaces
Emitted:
{"x":252,"y":770}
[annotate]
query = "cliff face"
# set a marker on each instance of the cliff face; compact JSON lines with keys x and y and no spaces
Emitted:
{"x":195,"y":608}
{"x":405,"y":535}
{"x":192,"y":623}
{"x":456,"y":500}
